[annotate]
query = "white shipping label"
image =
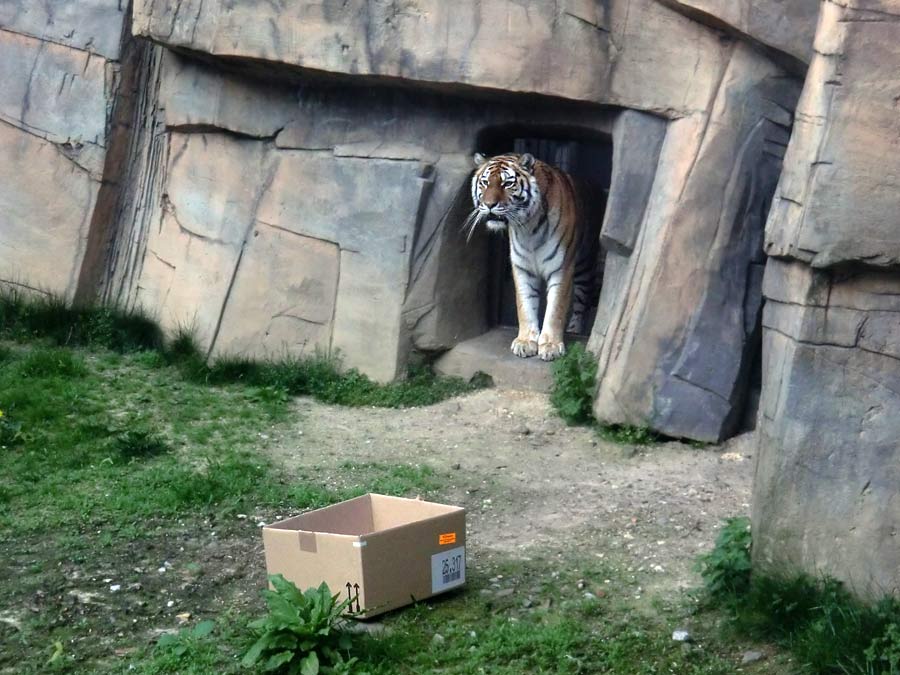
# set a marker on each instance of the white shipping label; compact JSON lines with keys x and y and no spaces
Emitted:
{"x":448,"y":569}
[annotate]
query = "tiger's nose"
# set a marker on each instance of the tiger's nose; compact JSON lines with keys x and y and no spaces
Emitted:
{"x":490,"y":205}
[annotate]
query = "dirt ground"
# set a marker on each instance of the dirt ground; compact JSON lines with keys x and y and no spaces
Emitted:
{"x":534,"y":487}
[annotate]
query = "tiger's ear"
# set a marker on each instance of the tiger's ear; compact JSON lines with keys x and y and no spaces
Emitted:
{"x":479,"y":159}
{"x":526,"y":161}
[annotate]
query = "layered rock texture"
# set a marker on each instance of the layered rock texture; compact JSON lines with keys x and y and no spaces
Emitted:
{"x":282,"y":178}
{"x":60,"y":76}
{"x":826,"y":491}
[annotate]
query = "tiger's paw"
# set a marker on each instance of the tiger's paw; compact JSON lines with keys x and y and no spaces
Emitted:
{"x":551,"y":350}
{"x":524,"y":347}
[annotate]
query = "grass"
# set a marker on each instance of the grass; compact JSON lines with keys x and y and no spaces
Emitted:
{"x":572,"y":396}
{"x":826,"y":628}
{"x":115,"y":462}
{"x":131,"y":485}
{"x":50,"y":319}
{"x":485,"y":630}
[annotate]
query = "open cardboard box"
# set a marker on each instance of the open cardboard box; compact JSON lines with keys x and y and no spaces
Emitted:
{"x":382,"y":552}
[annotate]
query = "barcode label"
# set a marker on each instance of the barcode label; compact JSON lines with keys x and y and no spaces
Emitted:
{"x":448,"y":569}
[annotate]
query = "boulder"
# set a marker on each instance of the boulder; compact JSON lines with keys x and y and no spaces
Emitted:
{"x":93,"y":26}
{"x":825,"y":492}
{"x":836,"y":201}
{"x":55,"y":116}
{"x":787,"y":26}
{"x":677,"y":327}
{"x":828,"y":461}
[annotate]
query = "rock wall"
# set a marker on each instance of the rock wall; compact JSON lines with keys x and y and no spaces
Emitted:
{"x":60,"y":68}
{"x":677,"y":337}
{"x":825,"y":495}
{"x":277,"y":215}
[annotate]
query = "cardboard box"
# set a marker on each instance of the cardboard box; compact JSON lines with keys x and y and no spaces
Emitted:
{"x":384,"y":552}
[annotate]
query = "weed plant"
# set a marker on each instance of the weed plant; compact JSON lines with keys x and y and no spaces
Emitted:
{"x":818,"y":620}
{"x":572,"y":396}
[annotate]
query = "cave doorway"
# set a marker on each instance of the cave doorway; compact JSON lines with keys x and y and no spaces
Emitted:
{"x":588,"y":159}
{"x":586,"y":155}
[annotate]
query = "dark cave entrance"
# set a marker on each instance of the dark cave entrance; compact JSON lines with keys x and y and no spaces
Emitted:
{"x":587,"y":157}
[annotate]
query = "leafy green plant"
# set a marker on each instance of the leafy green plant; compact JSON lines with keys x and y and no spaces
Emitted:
{"x":186,"y":640}
{"x":884,"y":652}
{"x":139,"y":443}
{"x":726,"y":569}
{"x":574,"y":382}
{"x":627,"y":435}
{"x":302,"y":633}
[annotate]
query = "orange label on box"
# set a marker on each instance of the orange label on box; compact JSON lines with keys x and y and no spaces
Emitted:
{"x":448,"y":538}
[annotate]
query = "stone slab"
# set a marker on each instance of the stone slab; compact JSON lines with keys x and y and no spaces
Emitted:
{"x":489,"y":353}
{"x":46,"y":203}
{"x":89,"y":25}
{"x":825,"y":495}
{"x":676,"y":341}
{"x":635,"y":53}
{"x":836,"y":201}
{"x":788,"y":26}
{"x":282,"y":297}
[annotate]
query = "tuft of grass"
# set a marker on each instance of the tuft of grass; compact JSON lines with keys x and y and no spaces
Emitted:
{"x":626,"y":434}
{"x":27,"y":317}
{"x":139,"y":443}
{"x":574,"y":384}
{"x":24,"y":318}
{"x":52,"y":362}
{"x":572,"y":396}
{"x":826,"y":628}
{"x":726,"y":568}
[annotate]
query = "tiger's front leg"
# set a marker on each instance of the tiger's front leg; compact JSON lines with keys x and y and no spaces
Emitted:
{"x":528,"y":301}
{"x":559,"y":296}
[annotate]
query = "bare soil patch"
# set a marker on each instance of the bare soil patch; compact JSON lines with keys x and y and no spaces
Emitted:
{"x":534,"y":487}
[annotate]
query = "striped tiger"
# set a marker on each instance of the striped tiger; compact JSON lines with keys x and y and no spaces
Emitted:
{"x":549,"y":246}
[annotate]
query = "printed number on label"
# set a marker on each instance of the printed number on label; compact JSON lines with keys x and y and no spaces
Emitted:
{"x":448,"y":569}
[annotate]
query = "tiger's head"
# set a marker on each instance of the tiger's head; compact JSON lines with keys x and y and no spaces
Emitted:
{"x":504,"y":191}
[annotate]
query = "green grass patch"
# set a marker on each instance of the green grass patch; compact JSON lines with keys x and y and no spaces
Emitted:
{"x":826,"y":628}
{"x":572,"y":396}
{"x":26,"y":318}
{"x":481,"y":629}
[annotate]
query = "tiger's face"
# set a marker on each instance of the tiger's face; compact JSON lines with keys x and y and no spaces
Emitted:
{"x":504,"y":191}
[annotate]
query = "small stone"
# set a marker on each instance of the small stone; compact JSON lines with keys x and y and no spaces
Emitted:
{"x":752,"y":657}
{"x":170,"y":603}
{"x":242,"y":516}
{"x":456,"y":466}
{"x":681,"y":635}
{"x":505,"y":593}
{"x":161,"y":570}
{"x":115,"y":587}
{"x":589,"y":596}
{"x":438,"y":639}
{"x":134,"y":587}
{"x":184,"y":617}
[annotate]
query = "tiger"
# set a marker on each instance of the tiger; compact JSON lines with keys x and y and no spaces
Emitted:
{"x":549,"y":246}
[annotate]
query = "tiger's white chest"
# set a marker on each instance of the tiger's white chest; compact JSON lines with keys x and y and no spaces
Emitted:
{"x":536,"y":247}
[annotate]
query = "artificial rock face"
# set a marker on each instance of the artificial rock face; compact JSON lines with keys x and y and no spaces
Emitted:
{"x":59,"y":81}
{"x":825,"y":494}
